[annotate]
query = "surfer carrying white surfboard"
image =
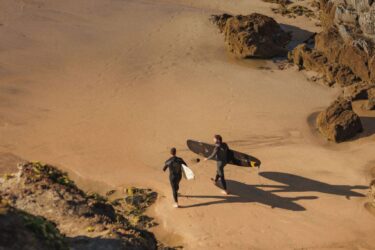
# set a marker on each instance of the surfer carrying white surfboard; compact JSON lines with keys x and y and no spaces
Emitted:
{"x":220,"y":154}
{"x":175,"y":173}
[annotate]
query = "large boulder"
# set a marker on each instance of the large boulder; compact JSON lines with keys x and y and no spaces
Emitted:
{"x":253,"y":36}
{"x":338,"y":122}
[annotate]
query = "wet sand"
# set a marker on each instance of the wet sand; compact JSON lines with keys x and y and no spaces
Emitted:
{"x":103,"y":89}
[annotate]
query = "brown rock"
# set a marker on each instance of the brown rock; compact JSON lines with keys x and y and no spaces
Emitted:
{"x":311,"y":59}
{"x":371,"y":99}
{"x":366,"y":21}
{"x":357,"y":91}
{"x":345,"y":15}
{"x":329,"y":43}
{"x":338,"y":122}
{"x":306,"y":58}
{"x":371,"y":66}
{"x":356,"y":59}
{"x":341,"y":74}
{"x":220,"y":20}
{"x":327,"y":16}
{"x":347,"y":41}
{"x":255,"y":36}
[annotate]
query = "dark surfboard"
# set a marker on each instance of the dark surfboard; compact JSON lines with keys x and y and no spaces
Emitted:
{"x":234,"y":157}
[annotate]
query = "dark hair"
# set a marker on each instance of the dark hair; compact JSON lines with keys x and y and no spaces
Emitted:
{"x":219,"y":138}
{"x":173,"y":151}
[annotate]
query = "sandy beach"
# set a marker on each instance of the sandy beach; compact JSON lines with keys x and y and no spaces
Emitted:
{"x":104,"y":88}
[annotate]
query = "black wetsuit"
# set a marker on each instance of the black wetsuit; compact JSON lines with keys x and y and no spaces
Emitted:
{"x":175,"y":173}
{"x":220,"y":154}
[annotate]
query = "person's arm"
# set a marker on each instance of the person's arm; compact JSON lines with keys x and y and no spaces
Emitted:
{"x":216,"y":149}
{"x":166,"y":165}
{"x":183,"y":162}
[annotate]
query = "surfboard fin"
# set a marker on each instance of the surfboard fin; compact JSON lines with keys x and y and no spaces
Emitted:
{"x":254,"y":164}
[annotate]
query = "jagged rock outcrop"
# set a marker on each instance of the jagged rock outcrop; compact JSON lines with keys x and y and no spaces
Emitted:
{"x":311,"y":59}
{"x":358,"y":91}
{"x":343,"y":53}
{"x":346,"y":42}
{"x":339,"y":122}
{"x":89,"y":221}
{"x":252,"y":36}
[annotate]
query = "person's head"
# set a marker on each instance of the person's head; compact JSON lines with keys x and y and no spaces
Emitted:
{"x":218,"y":139}
{"x":173,"y":151}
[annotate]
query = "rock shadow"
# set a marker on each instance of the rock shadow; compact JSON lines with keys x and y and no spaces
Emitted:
{"x":298,"y":35}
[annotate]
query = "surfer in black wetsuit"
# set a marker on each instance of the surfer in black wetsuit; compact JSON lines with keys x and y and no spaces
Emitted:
{"x":220,"y":154}
{"x":175,"y":173}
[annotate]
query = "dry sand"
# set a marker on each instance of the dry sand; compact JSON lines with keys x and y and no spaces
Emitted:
{"x":103,"y":88}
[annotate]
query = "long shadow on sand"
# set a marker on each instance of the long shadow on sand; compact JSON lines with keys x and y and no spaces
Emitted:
{"x":244,"y":193}
{"x":295,"y":183}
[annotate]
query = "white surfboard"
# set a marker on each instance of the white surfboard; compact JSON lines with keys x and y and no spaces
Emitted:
{"x":188,"y":173}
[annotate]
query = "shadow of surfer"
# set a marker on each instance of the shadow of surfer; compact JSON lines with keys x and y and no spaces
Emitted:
{"x":295,"y":183}
{"x":244,"y":193}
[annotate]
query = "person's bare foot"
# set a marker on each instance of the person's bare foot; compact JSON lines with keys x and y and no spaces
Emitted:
{"x":225,"y":192}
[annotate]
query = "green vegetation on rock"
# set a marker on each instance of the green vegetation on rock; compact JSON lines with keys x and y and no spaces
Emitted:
{"x":37,"y":171}
{"x":45,"y":230}
{"x":19,"y":229}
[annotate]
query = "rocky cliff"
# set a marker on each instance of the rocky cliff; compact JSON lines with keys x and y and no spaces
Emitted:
{"x":53,"y":213}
